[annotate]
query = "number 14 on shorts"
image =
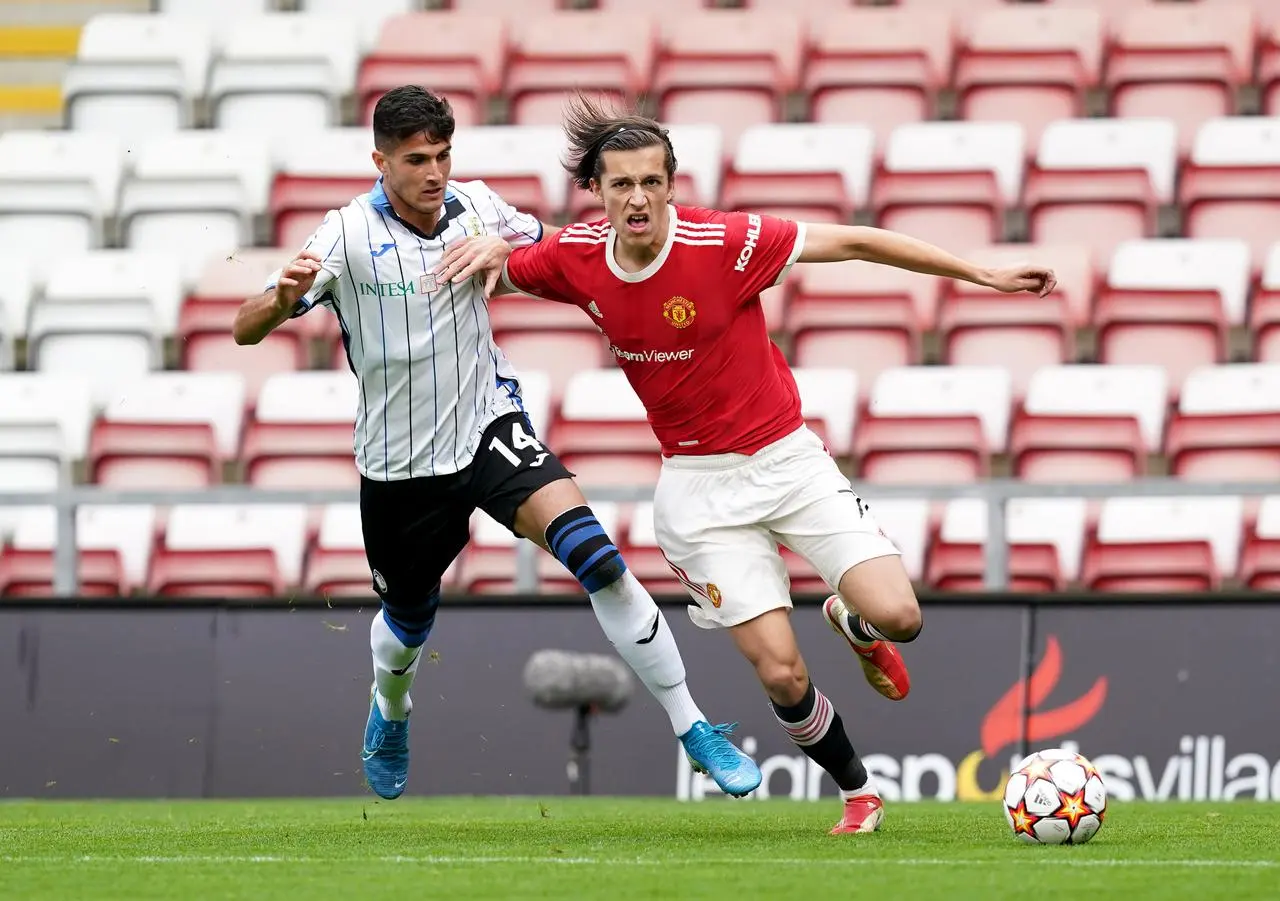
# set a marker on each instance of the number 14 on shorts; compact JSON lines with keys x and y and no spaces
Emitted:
{"x":521,"y":441}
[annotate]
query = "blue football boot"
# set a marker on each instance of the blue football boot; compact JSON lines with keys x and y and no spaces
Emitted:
{"x":712,"y":754}
{"x":386,"y":753}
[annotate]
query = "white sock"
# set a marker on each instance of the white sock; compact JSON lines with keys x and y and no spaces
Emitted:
{"x":626,"y":612}
{"x":868,"y":788}
{"x":394,"y":666}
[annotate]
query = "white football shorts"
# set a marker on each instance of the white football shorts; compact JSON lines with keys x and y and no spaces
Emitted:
{"x":720,"y":518}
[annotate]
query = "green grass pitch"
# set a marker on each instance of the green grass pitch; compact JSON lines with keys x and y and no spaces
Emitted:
{"x":516,"y":848}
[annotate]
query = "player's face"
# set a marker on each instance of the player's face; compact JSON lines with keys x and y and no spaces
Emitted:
{"x":416,"y":173}
{"x":635,"y":191}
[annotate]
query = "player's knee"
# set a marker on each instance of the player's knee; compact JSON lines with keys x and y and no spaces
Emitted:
{"x":903,"y":621}
{"x":412,"y":623}
{"x":785,"y":680}
{"x":582,"y":546}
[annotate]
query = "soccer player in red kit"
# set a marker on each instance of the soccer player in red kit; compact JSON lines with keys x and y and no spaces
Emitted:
{"x":676,"y":290}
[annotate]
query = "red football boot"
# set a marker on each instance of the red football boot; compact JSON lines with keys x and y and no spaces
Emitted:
{"x":881,"y":663}
{"x":863,"y":813}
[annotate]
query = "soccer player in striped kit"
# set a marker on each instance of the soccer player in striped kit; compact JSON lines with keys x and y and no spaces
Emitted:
{"x":677,"y":291}
{"x":440,"y":429}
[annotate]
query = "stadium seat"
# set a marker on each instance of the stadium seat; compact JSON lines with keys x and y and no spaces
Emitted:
{"x":489,"y":564}
{"x":17,"y":289}
{"x":949,"y":182}
{"x":905,"y":522}
{"x":301,"y":435}
{"x":601,"y":414}
{"x":730,"y":68}
{"x":25,"y":474}
{"x":172,"y":429}
{"x":537,"y":400}
{"x":602,"y":53}
{"x":933,"y":424}
{"x":336,"y":564}
{"x":284,"y":72}
{"x":1260,"y":559}
{"x":100,"y":573}
{"x":508,"y":8}
{"x":1161,"y":544}
{"x":521,"y":163}
{"x":1029,"y":64}
{"x":196,"y":9}
{"x":1264,"y":312}
{"x":881,"y":67}
{"x":1269,"y":67}
{"x":148,"y":285}
{"x":612,"y":470}
{"x":62,"y":402}
{"x":801,"y":171}
{"x":1228,"y":424}
{"x":1045,"y":537}
{"x":125,"y":532}
{"x":317,"y":175}
{"x":1169,"y":302}
{"x":137,"y":74}
{"x":204,"y":339}
{"x":1100,"y":181}
{"x":56,"y":189}
{"x":228,"y":550}
{"x":458,"y":54}
{"x":1230,"y":187}
{"x":559,"y":354}
{"x":829,"y":404}
{"x":1182,"y":61}
{"x":856,"y":294}
{"x":645,"y":558}
{"x":1086,"y":423}
{"x":193,"y":194}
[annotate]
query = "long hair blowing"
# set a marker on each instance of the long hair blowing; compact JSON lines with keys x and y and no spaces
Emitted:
{"x":593,"y":126}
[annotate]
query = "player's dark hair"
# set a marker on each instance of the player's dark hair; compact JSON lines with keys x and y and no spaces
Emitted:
{"x":592,"y":128}
{"x":408,"y":110}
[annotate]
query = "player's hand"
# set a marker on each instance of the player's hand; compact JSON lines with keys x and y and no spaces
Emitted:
{"x":297,"y":278}
{"x":1038,"y":280}
{"x":470,"y":256}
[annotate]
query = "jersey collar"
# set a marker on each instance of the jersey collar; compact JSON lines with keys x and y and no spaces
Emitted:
{"x":652,"y":269}
{"x":453,"y":208}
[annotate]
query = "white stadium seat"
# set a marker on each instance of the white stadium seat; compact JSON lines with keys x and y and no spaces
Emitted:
{"x":136,"y":74}
{"x":1058,"y":521}
{"x":1271,"y":269}
{"x":795,"y":147}
{"x":1233,"y":388}
{"x":1105,"y":144}
{"x":996,"y":147}
{"x":535,"y":393}
{"x":340,"y":528}
{"x":280,"y":528}
{"x":513,"y":150}
{"x":1237,"y":141}
{"x":17,"y":289}
{"x":24,"y":474}
{"x":1217,"y":520}
{"x":601,"y":395}
{"x":701,"y":155}
{"x":308,"y":397}
{"x":1115,"y":390}
{"x":127,"y":529}
{"x":65,"y":402}
{"x":327,"y":152}
{"x":239,"y":274}
{"x":1268,"y":525}
{"x":905,"y":522}
{"x":284,"y":72}
{"x":831,"y":396}
{"x":215,"y":398}
{"x":982,"y":391}
{"x":1186,"y":264}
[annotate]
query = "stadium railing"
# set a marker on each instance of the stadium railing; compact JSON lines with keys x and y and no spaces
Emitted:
{"x":996,"y":492}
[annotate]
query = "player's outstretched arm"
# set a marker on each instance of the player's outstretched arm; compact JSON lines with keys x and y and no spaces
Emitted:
{"x":260,"y":316}
{"x":827,"y":243}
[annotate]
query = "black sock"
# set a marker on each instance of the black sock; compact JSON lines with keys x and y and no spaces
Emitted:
{"x":867,"y":633}
{"x":817,"y":729}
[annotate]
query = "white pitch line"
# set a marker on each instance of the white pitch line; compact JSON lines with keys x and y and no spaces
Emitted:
{"x":1021,"y":861}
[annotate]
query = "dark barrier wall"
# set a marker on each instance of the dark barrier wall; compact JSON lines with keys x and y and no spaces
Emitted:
{"x":1171,"y":701}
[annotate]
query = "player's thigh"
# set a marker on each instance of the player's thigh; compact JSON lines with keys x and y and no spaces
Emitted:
{"x":730,"y":567}
{"x":518,"y":481}
{"x":413,"y":530}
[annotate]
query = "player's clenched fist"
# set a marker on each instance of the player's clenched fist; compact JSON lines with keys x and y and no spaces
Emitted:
{"x":297,"y":277}
{"x":1036,"y":279}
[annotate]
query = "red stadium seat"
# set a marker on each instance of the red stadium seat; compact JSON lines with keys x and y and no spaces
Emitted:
{"x":882,"y":67}
{"x":1183,"y":61}
{"x":1264,"y":312}
{"x":1230,"y":188}
{"x":298,"y":455}
{"x":215,"y":573}
{"x":1228,"y":424}
{"x":645,"y":558}
{"x":1045,"y":537}
{"x":725,"y":67}
{"x":601,"y":415}
{"x":1028,"y":64}
{"x":299,"y":203}
{"x":336,"y":565}
{"x":1022,"y":335}
{"x":619,"y":469}
{"x":212,"y":550}
{"x":1260,"y":559}
{"x":205,"y":345}
{"x":1269,"y":69}
{"x":553,"y":54}
{"x":510,"y":313}
{"x":962,"y":567}
{"x":928,"y":450}
{"x":1100,"y":182}
{"x":488,"y":566}
{"x":1150,"y":567}
{"x":865,"y":349}
{"x":458,"y":54}
{"x":560,"y":354}
{"x":30,"y":573}
{"x":154,"y":455}
{"x":1073,"y":264}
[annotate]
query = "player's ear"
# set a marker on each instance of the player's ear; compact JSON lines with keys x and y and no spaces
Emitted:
{"x":380,"y":160}
{"x":596,"y":190}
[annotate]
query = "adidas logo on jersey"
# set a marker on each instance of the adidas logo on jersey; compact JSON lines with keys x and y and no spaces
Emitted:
{"x":595,"y":310}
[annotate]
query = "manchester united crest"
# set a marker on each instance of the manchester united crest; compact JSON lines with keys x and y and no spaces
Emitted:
{"x":679,"y":311}
{"x":714,"y":593}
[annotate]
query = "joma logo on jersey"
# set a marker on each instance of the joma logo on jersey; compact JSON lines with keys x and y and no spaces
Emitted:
{"x":679,"y":311}
{"x":387,"y":289}
{"x":754,"y":224}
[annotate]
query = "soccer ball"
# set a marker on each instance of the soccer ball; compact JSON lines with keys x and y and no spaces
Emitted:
{"x":1055,"y":797}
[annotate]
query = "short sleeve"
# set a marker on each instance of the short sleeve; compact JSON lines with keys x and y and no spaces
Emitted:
{"x":539,"y":270}
{"x":327,"y":243}
{"x":516,"y":228}
{"x":761,"y":251}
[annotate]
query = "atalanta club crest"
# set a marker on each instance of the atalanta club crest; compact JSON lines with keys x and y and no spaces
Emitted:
{"x":679,"y":311}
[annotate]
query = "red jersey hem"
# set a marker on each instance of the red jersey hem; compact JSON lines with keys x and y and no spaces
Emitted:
{"x":777,"y":432}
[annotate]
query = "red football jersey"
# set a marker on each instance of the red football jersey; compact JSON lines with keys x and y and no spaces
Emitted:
{"x":688,"y":330}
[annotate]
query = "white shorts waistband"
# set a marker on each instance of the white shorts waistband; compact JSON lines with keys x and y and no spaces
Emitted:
{"x":718,"y":462}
